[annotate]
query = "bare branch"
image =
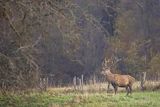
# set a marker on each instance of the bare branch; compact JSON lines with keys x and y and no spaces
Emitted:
{"x":29,"y":46}
{"x":140,"y":5}
{"x":92,"y":20}
{"x":10,"y":23}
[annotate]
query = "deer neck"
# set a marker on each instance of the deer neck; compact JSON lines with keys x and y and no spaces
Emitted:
{"x":109,"y":73}
{"x":110,"y":76}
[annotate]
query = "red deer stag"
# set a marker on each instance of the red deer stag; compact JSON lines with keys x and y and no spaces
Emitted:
{"x":117,"y":80}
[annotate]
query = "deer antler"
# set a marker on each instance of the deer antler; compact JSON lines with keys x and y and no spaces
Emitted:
{"x":114,"y":61}
{"x":109,"y":63}
{"x":105,"y":63}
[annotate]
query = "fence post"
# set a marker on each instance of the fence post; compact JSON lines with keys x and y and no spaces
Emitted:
{"x":75,"y":82}
{"x":47,"y":82}
{"x":80,"y":84}
{"x":94,"y":79}
{"x":44,"y":84}
{"x":40,"y":84}
{"x":82,"y":81}
{"x":143,"y":79}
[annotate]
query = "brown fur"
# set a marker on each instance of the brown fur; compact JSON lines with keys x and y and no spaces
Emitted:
{"x":118,"y":80}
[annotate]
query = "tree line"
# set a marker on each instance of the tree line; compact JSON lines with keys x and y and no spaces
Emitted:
{"x":69,"y":38}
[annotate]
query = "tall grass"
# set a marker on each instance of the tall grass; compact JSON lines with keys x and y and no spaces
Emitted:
{"x":102,"y":87}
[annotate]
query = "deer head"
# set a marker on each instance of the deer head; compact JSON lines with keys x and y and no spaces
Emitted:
{"x":105,"y":67}
{"x":107,"y":64}
{"x":106,"y":72}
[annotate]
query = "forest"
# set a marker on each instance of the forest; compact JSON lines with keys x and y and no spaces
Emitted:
{"x":66,"y":38}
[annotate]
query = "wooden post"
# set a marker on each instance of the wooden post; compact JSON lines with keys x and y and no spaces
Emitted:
{"x":77,"y":79}
{"x":47,"y":82}
{"x":80,"y":84}
{"x":108,"y":86}
{"x":40,"y":84}
{"x":82,"y":81}
{"x":94,"y":79}
{"x":3,"y":85}
{"x":143,"y":79}
{"x":44,"y":84}
{"x":75,"y":82}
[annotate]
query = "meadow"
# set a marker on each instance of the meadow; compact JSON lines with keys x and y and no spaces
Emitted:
{"x":62,"y":97}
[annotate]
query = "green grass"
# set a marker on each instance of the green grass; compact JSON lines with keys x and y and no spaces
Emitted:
{"x":72,"y":99}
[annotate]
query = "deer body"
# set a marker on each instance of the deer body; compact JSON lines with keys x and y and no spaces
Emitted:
{"x":118,"y":80}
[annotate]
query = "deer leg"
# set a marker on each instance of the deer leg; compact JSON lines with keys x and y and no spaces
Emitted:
{"x":115,"y":88}
{"x":130,"y":89}
{"x":127,"y":89}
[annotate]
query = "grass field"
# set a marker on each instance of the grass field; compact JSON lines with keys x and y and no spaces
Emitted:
{"x":55,"y":98}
